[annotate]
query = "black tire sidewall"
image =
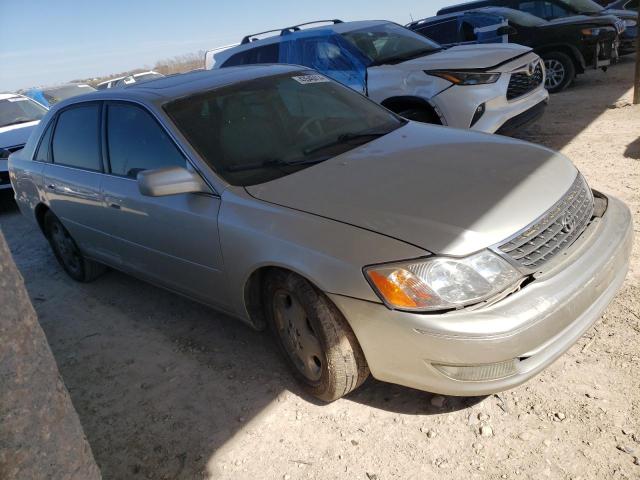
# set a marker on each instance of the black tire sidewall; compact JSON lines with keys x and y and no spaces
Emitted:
{"x":49,"y":221}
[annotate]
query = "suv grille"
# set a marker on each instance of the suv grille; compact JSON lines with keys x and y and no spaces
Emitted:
{"x":558,"y":229}
{"x":522,"y":83}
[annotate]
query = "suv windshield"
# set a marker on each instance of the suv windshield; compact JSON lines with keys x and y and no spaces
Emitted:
{"x":516,"y":17}
{"x":55,"y":95}
{"x":391,"y":43}
{"x":260,"y":130}
{"x":17,"y":110}
{"x":583,"y":6}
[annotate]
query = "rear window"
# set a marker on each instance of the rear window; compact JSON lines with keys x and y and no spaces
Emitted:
{"x":76,"y":141}
{"x":442,"y":32}
{"x":265,"y":54}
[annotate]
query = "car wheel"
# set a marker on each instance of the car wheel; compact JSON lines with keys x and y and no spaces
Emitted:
{"x":420,"y":114}
{"x":67,"y":252}
{"x":318,"y":343}
{"x":560,"y":71}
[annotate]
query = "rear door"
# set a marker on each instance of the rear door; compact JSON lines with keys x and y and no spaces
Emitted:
{"x":172,"y":241}
{"x":73,"y":178}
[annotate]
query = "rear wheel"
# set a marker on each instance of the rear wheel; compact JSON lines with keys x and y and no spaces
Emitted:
{"x":561,"y":72}
{"x":318,"y":343}
{"x":67,"y":252}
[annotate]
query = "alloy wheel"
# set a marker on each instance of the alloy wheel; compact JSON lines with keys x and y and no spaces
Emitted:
{"x":297,"y":335}
{"x":555,"y":73}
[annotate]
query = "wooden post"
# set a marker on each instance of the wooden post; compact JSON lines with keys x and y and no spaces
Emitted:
{"x":636,"y":93}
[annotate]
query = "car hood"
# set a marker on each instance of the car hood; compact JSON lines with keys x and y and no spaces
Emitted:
{"x":623,"y":14}
{"x":443,"y":190}
{"x":585,"y":20}
{"x":468,"y":57}
{"x":15,"y":135}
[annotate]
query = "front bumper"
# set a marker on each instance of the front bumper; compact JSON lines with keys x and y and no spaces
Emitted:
{"x":532,"y":327}
{"x":5,"y":183}
{"x":458,"y":104}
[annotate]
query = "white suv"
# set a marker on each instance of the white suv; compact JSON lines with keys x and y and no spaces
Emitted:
{"x":492,"y":88}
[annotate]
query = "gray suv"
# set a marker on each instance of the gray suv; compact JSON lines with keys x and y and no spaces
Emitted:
{"x":444,"y":260}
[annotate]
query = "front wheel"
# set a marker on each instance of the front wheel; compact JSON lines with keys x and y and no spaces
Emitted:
{"x":561,"y":72}
{"x":318,"y":343}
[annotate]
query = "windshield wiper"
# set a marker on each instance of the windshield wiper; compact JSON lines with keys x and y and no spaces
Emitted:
{"x":271,"y":164}
{"x":346,"y":138}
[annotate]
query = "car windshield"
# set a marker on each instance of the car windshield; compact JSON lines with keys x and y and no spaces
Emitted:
{"x":583,"y":6}
{"x":390,"y":43}
{"x":55,"y":95}
{"x":263,"y":129}
{"x":517,"y":17}
{"x":17,"y":110}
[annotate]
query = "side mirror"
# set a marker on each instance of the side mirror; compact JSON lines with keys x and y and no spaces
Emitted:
{"x":506,"y":30}
{"x":170,"y":181}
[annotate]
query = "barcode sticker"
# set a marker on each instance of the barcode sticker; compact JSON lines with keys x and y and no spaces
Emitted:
{"x":308,"y":79}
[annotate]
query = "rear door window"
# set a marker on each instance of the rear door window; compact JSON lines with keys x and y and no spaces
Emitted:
{"x":76,"y":141}
{"x":136,"y":142}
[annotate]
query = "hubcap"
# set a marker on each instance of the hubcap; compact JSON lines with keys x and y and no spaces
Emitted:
{"x":555,"y":73}
{"x":297,"y":335}
{"x":66,"y":248}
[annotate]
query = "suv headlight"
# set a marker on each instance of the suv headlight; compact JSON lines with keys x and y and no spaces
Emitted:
{"x":465,"y":78}
{"x":442,"y":283}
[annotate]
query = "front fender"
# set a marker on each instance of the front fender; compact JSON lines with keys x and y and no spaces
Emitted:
{"x":256,"y":234}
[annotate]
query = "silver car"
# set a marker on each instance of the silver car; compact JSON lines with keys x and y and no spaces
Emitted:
{"x":444,"y":260}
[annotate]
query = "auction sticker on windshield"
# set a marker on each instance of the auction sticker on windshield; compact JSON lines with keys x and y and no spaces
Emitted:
{"x":307,"y":79}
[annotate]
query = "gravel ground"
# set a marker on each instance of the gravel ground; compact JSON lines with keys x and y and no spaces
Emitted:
{"x":168,"y":389}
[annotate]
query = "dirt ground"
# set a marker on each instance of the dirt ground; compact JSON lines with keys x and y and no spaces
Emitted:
{"x":167,"y":389}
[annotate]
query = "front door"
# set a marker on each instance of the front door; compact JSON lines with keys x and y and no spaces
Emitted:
{"x":172,"y":241}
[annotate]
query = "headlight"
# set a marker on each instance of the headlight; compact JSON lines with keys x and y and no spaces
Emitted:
{"x":442,"y":283}
{"x":465,"y":78}
{"x":630,"y":23}
{"x":591,"y":32}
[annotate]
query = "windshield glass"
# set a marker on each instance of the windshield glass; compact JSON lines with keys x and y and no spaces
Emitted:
{"x":20,"y":110}
{"x":583,"y":6}
{"x":391,"y":43}
{"x":257,"y":131}
{"x":55,"y":95}
{"x":516,"y":17}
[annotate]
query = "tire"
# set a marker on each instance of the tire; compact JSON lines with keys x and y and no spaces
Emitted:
{"x":561,"y":72}
{"x":317,"y":342}
{"x":67,"y":252}
{"x":420,"y":114}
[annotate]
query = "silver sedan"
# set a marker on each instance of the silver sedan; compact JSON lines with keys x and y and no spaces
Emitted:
{"x":449,"y":261}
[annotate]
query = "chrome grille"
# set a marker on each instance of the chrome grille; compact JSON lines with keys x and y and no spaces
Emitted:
{"x":524,"y":82}
{"x":558,"y":229}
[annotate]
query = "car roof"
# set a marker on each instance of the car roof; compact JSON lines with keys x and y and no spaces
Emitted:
{"x":4,"y":96}
{"x":339,"y":28}
{"x":173,"y":87}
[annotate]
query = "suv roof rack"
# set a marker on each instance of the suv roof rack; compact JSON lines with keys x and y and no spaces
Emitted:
{"x":284,"y":31}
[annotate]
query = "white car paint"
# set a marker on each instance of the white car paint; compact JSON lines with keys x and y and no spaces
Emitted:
{"x":455,"y":105}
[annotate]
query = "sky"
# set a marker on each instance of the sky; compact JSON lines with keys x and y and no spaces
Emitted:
{"x":47,"y":42}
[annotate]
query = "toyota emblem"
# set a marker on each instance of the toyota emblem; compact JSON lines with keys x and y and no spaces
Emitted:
{"x":568,"y":224}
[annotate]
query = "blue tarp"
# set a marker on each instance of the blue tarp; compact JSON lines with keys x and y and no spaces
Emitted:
{"x":328,"y":53}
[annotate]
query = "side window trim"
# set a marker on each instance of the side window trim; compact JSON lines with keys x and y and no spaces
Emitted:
{"x":51,"y":157}
{"x":166,"y":131}
{"x":51,"y":125}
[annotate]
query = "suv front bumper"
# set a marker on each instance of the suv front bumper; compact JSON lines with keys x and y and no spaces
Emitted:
{"x":513,"y":339}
